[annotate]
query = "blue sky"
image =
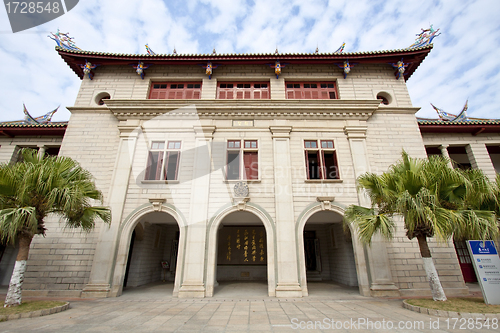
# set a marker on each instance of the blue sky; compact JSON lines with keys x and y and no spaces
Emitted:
{"x":465,"y":61}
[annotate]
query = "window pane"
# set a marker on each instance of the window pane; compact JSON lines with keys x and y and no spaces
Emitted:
{"x":250,"y":144}
{"x":174,"y":145}
{"x":230,"y":144}
{"x":171,"y":172}
{"x":263,"y":85}
{"x":239,"y":85}
{"x":197,"y":85}
{"x":173,"y":86}
{"x":331,"y":168}
{"x":327,"y":144}
{"x":247,"y":85}
{"x":153,"y":169}
{"x":230,"y":85}
{"x":296,"y":85}
{"x":257,"y":85}
{"x":323,"y":85}
{"x":157,"y":145}
{"x":330,"y":85}
{"x":307,"y":85}
{"x":163,"y":86}
{"x":313,"y":167}
{"x":314,"y":85}
{"x":311,"y":144}
{"x":289,"y":85}
{"x":190,"y":85}
{"x":250,"y":160}
{"x":233,"y":165}
{"x":156,"y":86}
{"x":237,"y":144}
{"x":180,"y":86}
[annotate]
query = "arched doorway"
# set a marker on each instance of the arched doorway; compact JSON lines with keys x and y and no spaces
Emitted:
{"x":241,"y":249}
{"x":327,"y":252}
{"x":153,"y":251}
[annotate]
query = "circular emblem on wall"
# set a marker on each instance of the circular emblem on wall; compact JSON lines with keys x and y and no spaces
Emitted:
{"x":241,"y":189}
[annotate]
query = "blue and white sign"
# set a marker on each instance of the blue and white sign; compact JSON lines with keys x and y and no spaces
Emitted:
{"x":487,"y":266}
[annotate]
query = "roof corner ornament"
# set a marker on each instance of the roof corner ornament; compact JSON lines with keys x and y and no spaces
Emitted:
{"x":400,"y":67}
{"x":425,"y":37}
{"x":140,"y":68}
{"x":87,"y":69}
{"x":148,"y":49}
{"x":340,"y":49}
{"x":64,"y":41}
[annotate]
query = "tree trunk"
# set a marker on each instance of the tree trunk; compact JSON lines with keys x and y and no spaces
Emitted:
{"x":430,"y":270}
{"x":13,"y":297}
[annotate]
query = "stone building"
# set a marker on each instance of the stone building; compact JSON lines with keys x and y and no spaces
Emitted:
{"x":238,"y":167}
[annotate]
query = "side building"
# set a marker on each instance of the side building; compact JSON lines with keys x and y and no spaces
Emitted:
{"x":238,"y":167}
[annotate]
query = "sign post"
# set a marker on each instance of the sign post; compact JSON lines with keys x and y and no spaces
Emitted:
{"x":487,"y":266}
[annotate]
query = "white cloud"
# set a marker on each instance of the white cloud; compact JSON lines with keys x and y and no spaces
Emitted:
{"x":463,"y":63}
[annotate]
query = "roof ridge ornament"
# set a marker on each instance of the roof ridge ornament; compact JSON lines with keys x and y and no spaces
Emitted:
{"x":425,"y":37}
{"x":30,"y":120}
{"x":64,"y":41}
{"x":462,"y":116}
{"x":148,"y":49}
{"x":341,"y":48}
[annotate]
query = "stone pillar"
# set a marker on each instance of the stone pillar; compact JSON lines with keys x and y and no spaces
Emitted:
{"x":288,"y":278}
{"x":106,"y":249}
{"x":194,"y":264}
{"x":378,"y":267}
{"x":444,"y":153}
{"x":480,"y":159}
{"x":41,"y":151}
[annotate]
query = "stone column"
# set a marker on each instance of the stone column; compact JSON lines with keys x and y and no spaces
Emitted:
{"x":41,"y":151}
{"x":194,"y":265}
{"x":106,"y":249}
{"x":480,"y":159}
{"x":379,"y":269}
{"x":444,"y":153}
{"x":287,"y":279}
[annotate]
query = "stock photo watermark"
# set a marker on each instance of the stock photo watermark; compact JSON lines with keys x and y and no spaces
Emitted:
{"x":370,"y":324}
{"x":28,"y":14}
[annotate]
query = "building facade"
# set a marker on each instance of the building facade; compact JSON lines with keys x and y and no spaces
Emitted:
{"x":238,"y":167}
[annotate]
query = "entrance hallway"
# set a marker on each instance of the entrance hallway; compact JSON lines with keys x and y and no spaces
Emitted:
{"x":243,"y":290}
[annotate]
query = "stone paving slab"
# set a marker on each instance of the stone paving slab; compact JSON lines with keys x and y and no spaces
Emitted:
{"x":216,"y":315}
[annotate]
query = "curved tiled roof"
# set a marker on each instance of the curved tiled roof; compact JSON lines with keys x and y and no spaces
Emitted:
{"x":243,"y":55}
{"x":413,"y":57}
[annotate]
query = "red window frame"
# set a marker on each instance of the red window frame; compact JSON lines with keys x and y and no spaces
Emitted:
{"x":242,"y":161}
{"x":243,"y":90}
{"x":311,"y":90}
{"x":325,"y":156}
{"x":175,"y":90}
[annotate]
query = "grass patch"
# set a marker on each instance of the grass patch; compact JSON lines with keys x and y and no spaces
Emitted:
{"x":465,"y":304}
{"x":28,"y":306}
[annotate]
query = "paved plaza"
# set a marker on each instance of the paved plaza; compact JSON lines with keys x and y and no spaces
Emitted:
{"x":152,"y":309}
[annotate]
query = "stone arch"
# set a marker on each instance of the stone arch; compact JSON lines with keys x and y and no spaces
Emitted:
{"x":213,"y":227}
{"x":359,"y":255}
{"x":124,"y":236}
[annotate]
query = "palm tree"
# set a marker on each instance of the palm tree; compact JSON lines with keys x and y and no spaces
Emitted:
{"x":34,"y":188}
{"x":434,"y":200}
